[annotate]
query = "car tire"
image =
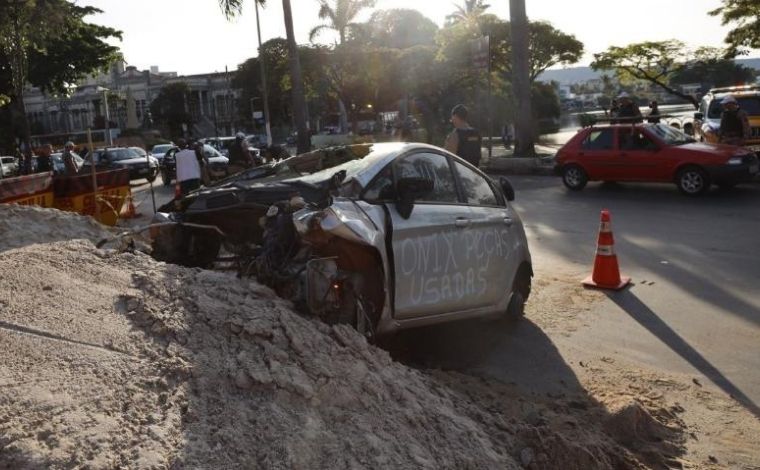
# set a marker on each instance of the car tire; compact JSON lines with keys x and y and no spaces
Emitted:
{"x":692,"y":181}
{"x":520,"y":293}
{"x":152,"y":177}
{"x":574,"y":177}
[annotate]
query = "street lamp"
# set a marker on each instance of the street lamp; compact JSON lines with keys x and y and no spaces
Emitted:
{"x":105,"y":91}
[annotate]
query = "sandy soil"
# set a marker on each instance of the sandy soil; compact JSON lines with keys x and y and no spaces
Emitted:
{"x":114,"y":360}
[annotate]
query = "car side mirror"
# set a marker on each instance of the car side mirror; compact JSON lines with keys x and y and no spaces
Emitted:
{"x":410,"y":189}
{"x":507,"y":188}
{"x":699,"y":116}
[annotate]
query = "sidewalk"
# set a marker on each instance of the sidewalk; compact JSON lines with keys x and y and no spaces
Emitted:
{"x":506,"y":162}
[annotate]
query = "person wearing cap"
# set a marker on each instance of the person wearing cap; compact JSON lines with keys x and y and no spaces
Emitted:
{"x":188,"y":168}
{"x":69,"y":163}
{"x":240,"y":157}
{"x":44,"y":159}
{"x":464,"y":140}
{"x":628,"y":112}
{"x":654,"y":114}
{"x":734,"y":123}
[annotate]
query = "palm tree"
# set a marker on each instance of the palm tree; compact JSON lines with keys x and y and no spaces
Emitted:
{"x":340,"y":16}
{"x":232,"y":8}
{"x":469,"y":11}
{"x":524,"y":131}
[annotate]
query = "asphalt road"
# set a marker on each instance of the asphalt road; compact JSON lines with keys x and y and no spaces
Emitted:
{"x":693,"y":307}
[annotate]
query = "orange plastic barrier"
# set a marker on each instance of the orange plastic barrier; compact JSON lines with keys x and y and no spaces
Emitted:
{"x":75,"y":194}
{"x":32,"y":190}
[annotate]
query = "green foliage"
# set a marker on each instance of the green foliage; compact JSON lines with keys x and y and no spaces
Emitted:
{"x":340,"y":16}
{"x":468,"y":12}
{"x":716,"y":72}
{"x":397,"y":29}
{"x":744,"y":16}
{"x":656,"y":62}
{"x":548,"y":45}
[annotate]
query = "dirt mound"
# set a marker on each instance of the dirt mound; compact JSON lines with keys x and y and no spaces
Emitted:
{"x":112,"y":359}
{"x":25,"y":225}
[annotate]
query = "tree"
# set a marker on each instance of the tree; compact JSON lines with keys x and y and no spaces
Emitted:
{"x":521,"y":59}
{"x":398,"y":28}
{"x":170,"y":108}
{"x":233,"y":8}
{"x":714,"y":72}
{"x":656,"y":62}
{"x":467,"y":12}
{"x":548,"y":45}
{"x":47,"y":43}
{"x":340,"y":16}
{"x":745,"y":15}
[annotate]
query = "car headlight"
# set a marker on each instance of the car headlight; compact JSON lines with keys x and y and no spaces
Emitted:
{"x":734,"y":161}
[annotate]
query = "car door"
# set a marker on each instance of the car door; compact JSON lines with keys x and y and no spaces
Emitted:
{"x":489,"y":242}
{"x":597,"y":153}
{"x":430,"y":266}
{"x":641,"y":157}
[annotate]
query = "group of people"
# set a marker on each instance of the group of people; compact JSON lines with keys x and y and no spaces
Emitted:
{"x":45,"y":162}
{"x":191,"y":162}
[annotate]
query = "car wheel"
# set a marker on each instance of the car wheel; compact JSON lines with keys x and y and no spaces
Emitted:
{"x":574,"y":177}
{"x":166,"y":178}
{"x":692,"y":181}
{"x":152,"y":177}
{"x":520,"y":294}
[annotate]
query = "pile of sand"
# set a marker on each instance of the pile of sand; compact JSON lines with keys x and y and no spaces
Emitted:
{"x":113,"y":359}
{"x":26,"y":225}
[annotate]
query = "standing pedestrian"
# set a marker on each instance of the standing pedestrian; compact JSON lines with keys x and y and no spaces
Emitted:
{"x":734,"y":123}
{"x":188,"y":169}
{"x":654,"y":113}
{"x":240,"y":157}
{"x":464,"y":140}
{"x":69,"y":163}
{"x":628,"y":113}
{"x":44,"y":160}
{"x":507,"y":131}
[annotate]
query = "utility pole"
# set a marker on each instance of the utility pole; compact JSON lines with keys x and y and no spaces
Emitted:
{"x":262,"y":67}
{"x":524,"y":128}
{"x":299,"y":100}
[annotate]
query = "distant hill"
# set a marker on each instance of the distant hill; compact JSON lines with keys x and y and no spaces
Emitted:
{"x":572,"y":75}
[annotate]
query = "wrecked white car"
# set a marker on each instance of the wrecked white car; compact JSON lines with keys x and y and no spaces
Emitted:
{"x":382,"y":236}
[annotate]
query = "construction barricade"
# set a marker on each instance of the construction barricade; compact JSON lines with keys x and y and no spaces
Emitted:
{"x":31,"y":190}
{"x":75,"y":194}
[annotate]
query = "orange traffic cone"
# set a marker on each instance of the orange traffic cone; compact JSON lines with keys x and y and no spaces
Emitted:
{"x":606,"y":273}
{"x":130,"y":212}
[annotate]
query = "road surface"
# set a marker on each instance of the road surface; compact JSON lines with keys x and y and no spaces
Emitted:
{"x":693,"y":309}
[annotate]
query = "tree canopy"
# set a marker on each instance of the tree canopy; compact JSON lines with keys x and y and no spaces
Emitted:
{"x":656,"y":62}
{"x":340,"y":16}
{"x":744,"y":17}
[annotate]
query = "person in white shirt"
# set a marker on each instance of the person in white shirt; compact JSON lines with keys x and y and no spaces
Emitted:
{"x":188,"y":168}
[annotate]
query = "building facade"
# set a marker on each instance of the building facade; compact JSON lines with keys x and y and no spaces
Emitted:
{"x":213,"y":103}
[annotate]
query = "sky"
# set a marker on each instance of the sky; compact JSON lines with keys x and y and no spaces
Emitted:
{"x":193,"y":36}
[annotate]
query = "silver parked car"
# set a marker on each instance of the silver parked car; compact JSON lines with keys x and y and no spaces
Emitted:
{"x":382,"y":236}
{"x":8,"y":167}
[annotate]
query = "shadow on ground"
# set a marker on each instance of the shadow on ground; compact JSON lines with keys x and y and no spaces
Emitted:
{"x":647,"y":318}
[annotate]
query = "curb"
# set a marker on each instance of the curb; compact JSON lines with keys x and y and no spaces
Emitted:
{"x":542,"y":166}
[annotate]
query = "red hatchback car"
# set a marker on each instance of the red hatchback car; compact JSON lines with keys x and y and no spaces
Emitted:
{"x":653,"y":153}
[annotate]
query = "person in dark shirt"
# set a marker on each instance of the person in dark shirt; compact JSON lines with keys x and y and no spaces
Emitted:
{"x":44,"y":161}
{"x":654,"y":113}
{"x":628,"y":113}
{"x":734,"y":123}
{"x":240,"y":157}
{"x":464,"y":140}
